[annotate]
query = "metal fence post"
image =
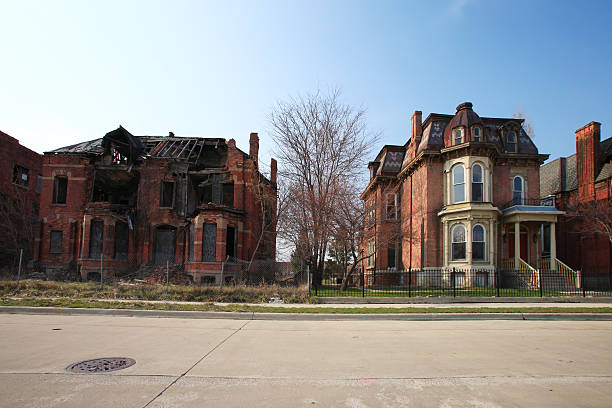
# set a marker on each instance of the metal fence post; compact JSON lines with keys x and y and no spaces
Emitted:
{"x":101,"y":269}
{"x":541,"y":283}
{"x":167,"y":275}
{"x":497,"y":280}
{"x":409,"y":281}
{"x":20,"y":259}
{"x":582,"y":283}
{"x":308,"y":278}
{"x":362,"y":281}
{"x":454,"y":286}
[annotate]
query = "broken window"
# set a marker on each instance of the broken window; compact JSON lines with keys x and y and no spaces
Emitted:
{"x":209,"y":243}
{"x":118,"y":158}
{"x":217,"y":189}
{"x":228,"y":194}
{"x":392,"y":255}
{"x":230,"y":243}
{"x":21,"y":175}
{"x":165,"y":245}
{"x":167,"y":194}
{"x":96,"y":236}
{"x":60,"y":186}
{"x":55,"y":246}
{"x":121,"y":240}
{"x":38,"y":183}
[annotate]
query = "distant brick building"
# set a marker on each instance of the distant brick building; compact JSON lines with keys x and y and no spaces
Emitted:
{"x":20,"y":171}
{"x":584,"y":177}
{"x":463,"y":192}
{"x":127,"y":201}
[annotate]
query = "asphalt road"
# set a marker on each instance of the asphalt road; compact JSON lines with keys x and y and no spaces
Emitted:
{"x":234,"y":363}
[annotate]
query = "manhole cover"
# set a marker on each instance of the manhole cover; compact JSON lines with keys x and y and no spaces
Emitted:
{"x":101,"y":365}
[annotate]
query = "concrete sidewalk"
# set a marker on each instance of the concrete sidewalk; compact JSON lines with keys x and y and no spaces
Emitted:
{"x":187,"y":363}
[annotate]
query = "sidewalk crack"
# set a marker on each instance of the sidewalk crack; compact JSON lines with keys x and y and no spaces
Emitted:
{"x":196,"y":363}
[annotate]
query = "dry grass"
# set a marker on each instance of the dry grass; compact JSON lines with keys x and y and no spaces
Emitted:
{"x":90,"y":290}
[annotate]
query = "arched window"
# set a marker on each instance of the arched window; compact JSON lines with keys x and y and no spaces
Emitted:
{"x":458,"y":243}
{"x":477,"y":134}
{"x":458,"y":183}
{"x":518,"y":188}
{"x":477,"y":183}
{"x":457,"y":135}
{"x":511,"y":142}
{"x":478,"y":243}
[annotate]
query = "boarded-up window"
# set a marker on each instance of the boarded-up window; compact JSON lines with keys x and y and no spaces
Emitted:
{"x":191,"y":236}
{"x":230,"y":242}
{"x":228,"y":194}
{"x":167,"y":194}
{"x":121,"y":241}
{"x":56,"y":242}
{"x":165,"y":245}
{"x":60,"y":186}
{"x":96,"y":237}
{"x":209,"y":243}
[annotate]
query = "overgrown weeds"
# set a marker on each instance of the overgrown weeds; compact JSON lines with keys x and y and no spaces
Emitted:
{"x":91,"y":290}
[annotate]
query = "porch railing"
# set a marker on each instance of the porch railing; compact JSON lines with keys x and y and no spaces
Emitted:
{"x":530,"y":274}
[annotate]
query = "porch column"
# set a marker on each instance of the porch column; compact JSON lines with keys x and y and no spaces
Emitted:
{"x":517,"y":244}
{"x":446,"y":245}
{"x":553,"y":247}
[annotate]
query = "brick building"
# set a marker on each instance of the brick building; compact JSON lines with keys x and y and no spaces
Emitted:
{"x":463,"y":192}
{"x":20,"y":171}
{"x":586,"y":178}
{"x":197,"y":204}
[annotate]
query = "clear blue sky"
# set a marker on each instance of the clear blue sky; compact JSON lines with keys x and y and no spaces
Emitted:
{"x":72,"y":71}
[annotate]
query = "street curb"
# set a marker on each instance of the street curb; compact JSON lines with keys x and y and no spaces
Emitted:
{"x":305,"y":316}
{"x":438,"y":300}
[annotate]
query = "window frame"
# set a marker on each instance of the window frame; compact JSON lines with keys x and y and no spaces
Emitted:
{"x":480,"y":136}
{"x":511,"y":143}
{"x":453,"y":242}
{"x":56,"y":190}
{"x":453,"y":183}
{"x":484,"y":243}
{"x":18,"y":172}
{"x":461,"y":130}
{"x":521,"y":199}
{"x":481,"y":182}
{"x":162,"y":193}
{"x":393,"y":206}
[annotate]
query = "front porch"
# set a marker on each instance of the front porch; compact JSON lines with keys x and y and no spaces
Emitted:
{"x":529,"y":244}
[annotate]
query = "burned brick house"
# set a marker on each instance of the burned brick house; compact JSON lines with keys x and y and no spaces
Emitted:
{"x":20,"y":183}
{"x":125,"y":202}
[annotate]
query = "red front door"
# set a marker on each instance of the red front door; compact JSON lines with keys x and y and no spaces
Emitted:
{"x":523,"y":244}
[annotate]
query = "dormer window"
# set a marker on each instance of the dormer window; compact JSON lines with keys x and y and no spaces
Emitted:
{"x":458,"y":136}
{"x":511,"y":142}
{"x":477,"y":134}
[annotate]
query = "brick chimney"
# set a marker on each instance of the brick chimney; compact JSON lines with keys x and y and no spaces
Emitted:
{"x":273,"y":170}
{"x":587,"y":159}
{"x":254,"y":147}
{"x":417,"y":129}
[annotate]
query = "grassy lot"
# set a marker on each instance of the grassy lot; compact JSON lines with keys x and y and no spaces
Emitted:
{"x":210,"y":307}
{"x":85,"y":290}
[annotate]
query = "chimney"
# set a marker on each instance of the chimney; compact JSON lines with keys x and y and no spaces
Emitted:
{"x":231,"y":144}
{"x":171,"y":134}
{"x":417,"y":130}
{"x":273,"y":170}
{"x":587,"y":159}
{"x":254,"y":147}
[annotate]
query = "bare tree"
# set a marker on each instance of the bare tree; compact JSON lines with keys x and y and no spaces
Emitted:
{"x":596,"y":216}
{"x":527,"y":124}
{"x":321,"y":144}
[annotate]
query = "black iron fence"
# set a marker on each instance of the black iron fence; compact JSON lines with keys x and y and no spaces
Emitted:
{"x":454,"y":282}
